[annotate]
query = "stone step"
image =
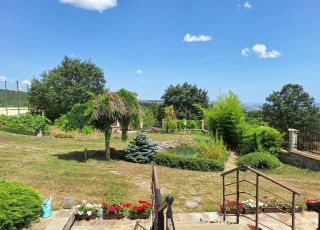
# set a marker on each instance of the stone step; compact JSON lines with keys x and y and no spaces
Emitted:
{"x":210,"y":226}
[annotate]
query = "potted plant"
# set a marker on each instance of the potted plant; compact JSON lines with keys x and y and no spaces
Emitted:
{"x":250,"y":206}
{"x":288,"y":208}
{"x":115,"y":211}
{"x":274,"y":207}
{"x":86,"y":211}
{"x":231,"y":207}
{"x":141,"y":211}
{"x":310,"y":202}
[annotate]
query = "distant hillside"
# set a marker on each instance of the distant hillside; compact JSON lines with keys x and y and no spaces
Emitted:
{"x":13,"y":98}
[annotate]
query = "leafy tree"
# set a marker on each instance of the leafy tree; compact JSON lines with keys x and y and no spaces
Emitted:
{"x":226,"y":118}
{"x":291,"y":107}
{"x":140,"y":150}
{"x":101,"y":112}
{"x":184,"y":98}
{"x":73,"y":81}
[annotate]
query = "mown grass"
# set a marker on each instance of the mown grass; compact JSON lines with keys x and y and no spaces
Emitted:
{"x":55,"y":167}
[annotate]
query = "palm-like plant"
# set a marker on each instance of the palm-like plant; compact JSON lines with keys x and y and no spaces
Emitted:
{"x":110,"y":107}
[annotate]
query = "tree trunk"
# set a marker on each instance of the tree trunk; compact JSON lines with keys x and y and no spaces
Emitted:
{"x":107,"y":136}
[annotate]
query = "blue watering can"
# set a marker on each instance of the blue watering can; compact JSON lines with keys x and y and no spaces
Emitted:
{"x":46,"y":208}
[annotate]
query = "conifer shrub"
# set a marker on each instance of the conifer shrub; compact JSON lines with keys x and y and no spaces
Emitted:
{"x":140,"y":150}
{"x":259,"y":160}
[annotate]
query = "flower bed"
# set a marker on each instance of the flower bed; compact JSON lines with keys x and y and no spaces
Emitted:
{"x":88,"y":211}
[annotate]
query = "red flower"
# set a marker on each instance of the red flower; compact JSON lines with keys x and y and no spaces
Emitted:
{"x":311,"y":200}
{"x":221,"y":207}
{"x":127,"y":205}
{"x":231,"y":202}
{"x":241,"y":206}
{"x":105,"y":205}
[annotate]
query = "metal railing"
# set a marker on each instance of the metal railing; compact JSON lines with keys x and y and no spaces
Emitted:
{"x":256,"y":196}
{"x":309,"y":141}
{"x":159,"y":222}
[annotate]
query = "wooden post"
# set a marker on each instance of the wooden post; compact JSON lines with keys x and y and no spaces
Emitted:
{"x":238,"y":196}
{"x":293,"y":210}
{"x":85,"y":154}
{"x":257,"y":202}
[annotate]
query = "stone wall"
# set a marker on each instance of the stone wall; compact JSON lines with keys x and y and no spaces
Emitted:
{"x":300,"y":159}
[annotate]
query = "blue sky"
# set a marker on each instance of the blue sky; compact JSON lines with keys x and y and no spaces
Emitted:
{"x":251,"y":48}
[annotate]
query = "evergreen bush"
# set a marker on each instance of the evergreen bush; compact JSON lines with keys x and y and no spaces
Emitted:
{"x":20,"y":205}
{"x":259,"y":160}
{"x":140,"y":150}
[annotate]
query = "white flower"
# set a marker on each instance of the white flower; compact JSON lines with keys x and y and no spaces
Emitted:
{"x":78,"y":206}
{"x":84,"y":201}
{"x":89,"y":213}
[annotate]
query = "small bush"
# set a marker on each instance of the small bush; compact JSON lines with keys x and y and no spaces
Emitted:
{"x":64,"y":135}
{"x":140,"y":150}
{"x":20,"y":205}
{"x":169,"y":125}
{"x":259,"y":160}
{"x":24,"y":124}
{"x":211,"y":147}
{"x":191,"y":163}
{"x":193,"y":124}
{"x":260,"y":138}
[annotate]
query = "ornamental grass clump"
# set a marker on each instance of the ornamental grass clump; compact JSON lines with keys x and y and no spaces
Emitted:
{"x":140,"y":150}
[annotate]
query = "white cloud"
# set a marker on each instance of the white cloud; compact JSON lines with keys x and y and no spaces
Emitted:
{"x":245,"y":52}
{"x":99,"y":5}
{"x":3,"y":78}
{"x":26,"y":82}
{"x":247,"y":5}
{"x":262,"y":51}
{"x":139,"y":71}
{"x":196,"y":38}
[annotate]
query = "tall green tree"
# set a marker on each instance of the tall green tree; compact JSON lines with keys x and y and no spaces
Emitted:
{"x":184,"y":99}
{"x":102,"y":111}
{"x":291,"y":107}
{"x":71,"y":82}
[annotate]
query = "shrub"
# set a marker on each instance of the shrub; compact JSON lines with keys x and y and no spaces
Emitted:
{"x":169,"y":125}
{"x":260,"y":138}
{"x":191,"y":163}
{"x":193,"y":124}
{"x":20,"y":205}
{"x":226,"y":117}
{"x":259,"y":160}
{"x":140,"y":150}
{"x":64,"y":135}
{"x":211,"y":147}
{"x":24,"y":124}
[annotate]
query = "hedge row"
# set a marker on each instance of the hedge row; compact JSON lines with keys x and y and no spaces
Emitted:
{"x":24,"y":124}
{"x":20,"y":205}
{"x":191,"y":163}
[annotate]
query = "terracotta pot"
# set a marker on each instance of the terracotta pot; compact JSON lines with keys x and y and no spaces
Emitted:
{"x":135,"y":216}
{"x":113,"y":216}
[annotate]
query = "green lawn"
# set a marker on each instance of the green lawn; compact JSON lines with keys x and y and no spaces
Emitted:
{"x":54,"y":166}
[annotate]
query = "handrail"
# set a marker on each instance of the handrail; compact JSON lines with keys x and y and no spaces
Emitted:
{"x":158,"y":206}
{"x":256,"y":196}
{"x":262,"y":175}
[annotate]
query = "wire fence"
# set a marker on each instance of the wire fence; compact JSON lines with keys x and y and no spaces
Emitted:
{"x":13,"y":97}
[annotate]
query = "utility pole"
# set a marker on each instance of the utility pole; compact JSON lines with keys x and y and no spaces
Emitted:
{"x":18,"y":95}
{"x":6,"y":95}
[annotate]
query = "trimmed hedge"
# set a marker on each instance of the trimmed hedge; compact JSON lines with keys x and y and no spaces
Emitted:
{"x":191,"y":163}
{"x":24,"y":124}
{"x":20,"y":205}
{"x":259,"y":160}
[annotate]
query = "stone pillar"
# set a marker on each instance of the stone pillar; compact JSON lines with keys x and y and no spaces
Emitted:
{"x":202,"y":124}
{"x":141,"y":124}
{"x":293,"y":139}
{"x":185,"y":124}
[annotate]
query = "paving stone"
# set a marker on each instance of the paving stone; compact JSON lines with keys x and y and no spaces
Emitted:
{"x":192,"y":203}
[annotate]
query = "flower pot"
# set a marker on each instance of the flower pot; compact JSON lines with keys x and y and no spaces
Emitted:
{"x":79,"y":217}
{"x":135,"y":216}
{"x":113,"y":216}
{"x":272,"y":209}
{"x":289,"y":209}
{"x":232,"y":211}
{"x":249,"y":210}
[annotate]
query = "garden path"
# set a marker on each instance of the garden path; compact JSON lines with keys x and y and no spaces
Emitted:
{"x":231,"y":162}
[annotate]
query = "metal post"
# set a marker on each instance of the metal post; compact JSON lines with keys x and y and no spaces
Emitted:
{"x":238,"y":196}
{"x":18,"y":95}
{"x":257,"y":202}
{"x":224,"y":198}
{"x":293,"y":209}
{"x":6,"y":95}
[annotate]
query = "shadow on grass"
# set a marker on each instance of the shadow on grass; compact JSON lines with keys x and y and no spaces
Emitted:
{"x":91,"y":154}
